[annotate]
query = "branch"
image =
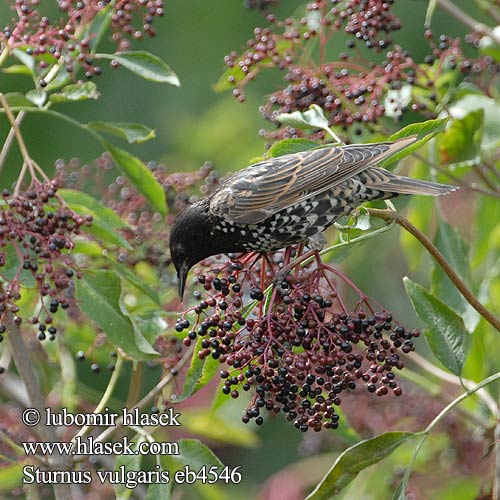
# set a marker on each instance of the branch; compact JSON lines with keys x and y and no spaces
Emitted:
{"x":466,"y":20}
{"x":390,"y":216}
{"x":147,"y":398}
{"x":10,"y":139}
{"x":26,"y":372}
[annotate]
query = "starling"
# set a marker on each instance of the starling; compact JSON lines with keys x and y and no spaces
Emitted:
{"x":287,"y":200}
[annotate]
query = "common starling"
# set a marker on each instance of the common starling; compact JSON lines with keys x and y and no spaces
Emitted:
{"x":287,"y":200}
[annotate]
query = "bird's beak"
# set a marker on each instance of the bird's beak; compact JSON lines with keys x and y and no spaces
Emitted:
{"x":182,"y":273}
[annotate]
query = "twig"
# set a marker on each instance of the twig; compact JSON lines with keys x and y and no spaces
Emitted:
{"x":496,"y":480}
{"x":426,"y":432}
{"x":24,"y":367}
{"x":105,"y":397}
{"x":455,"y":178}
{"x":17,"y":132}
{"x":147,"y":398}
{"x":453,"y":379}
{"x":466,"y":20}
{"x":9,"y":139}
{"x":389,"y":216}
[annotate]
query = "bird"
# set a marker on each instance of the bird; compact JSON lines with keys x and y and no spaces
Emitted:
{"x":287,"y":200}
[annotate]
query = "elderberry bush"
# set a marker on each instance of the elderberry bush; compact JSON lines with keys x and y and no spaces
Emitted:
{"x":354,"y":90}
{"x":37,"y":229}
{"x":60,"y":40}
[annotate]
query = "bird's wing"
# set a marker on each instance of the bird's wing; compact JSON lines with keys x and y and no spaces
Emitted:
{"x":256,"y":192}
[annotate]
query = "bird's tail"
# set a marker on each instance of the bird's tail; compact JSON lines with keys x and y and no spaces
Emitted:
{"x":398,"y":184}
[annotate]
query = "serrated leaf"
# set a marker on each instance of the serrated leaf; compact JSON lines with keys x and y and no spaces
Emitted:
{"x":424,"y":131}
{"x":105,"y":223}
{"x":355,"y":459}
{"x":200,"y":372}
{"x":98,"y":294}
{"x":145,"y":65}
{"x":461,"y":142}
{"x":37,"y":97}
{"x":447,"y":334}
{"x":140,"y":176}
{"x":76,"y":92}
{"x":290,"y":146}
{"x":131,"y":132}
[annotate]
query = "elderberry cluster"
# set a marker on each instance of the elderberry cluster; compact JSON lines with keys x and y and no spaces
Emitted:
{"x":370,"y":21}
{"x":69,"y":41}
{"x":36,"y":232}
{"x":293,"y":345}
{"x":352,"y":91}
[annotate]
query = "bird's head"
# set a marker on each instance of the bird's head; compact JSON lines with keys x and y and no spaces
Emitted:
{"x":189,"y":240}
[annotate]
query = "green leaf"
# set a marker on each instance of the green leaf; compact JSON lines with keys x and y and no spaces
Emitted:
{"x":195,"y":455}
{"x":450,"y":243}
{"x":76,"y":92}
{"x":159,"y":491}
{"x":96,"y":29}
{"x":129,"y":462}
{"x":140,"y":176}
{"x":487,"y":230}
{"x":145,"y":65}
{"x":200,"y":372}
{"x":37,"y":97}
{"x":105,"y":222}
{"x":136,"y":281}
{"x":17,"y":100}
{"x":313,"y":118}
{"x":355,"y":459}
{"x":424,"y":131}
{"x":11,"y":477}
{"x":218,"y":426}
{"x":131,"y":132}
{"x":99,"y":297}
{"x":289,"y":146}
{"x":26,"y":59}
{"x":490,"y":47}
{"x":17,"y":69}
{"x":461,"y":142}
{"x":447,"y":334}
{"x":491,"y":109}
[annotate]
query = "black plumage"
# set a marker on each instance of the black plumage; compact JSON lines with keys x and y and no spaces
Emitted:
{"x":287,"y":200}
